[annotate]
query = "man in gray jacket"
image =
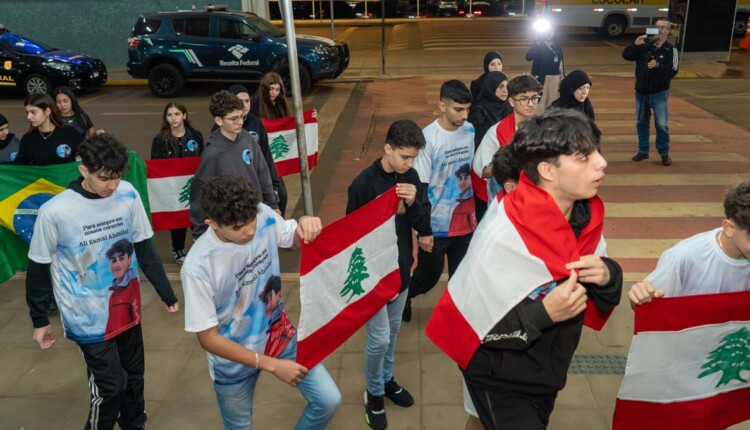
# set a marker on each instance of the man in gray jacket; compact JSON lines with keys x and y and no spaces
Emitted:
{"x":229,"y":150}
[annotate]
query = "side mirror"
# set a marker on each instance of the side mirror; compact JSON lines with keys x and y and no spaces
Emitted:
{"x":254,"y":38}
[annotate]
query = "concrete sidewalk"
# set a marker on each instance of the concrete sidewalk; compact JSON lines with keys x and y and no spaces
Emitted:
{"x":649,"y":208}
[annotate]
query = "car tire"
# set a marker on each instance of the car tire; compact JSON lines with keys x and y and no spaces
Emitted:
{"x":36,"y":83}
{"x":614,"y":26}
{"x":166,"y":80}
{"x":305,"y":79}
{"x":740,"y":24}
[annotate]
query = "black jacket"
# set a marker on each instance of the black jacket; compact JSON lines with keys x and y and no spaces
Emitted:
{"x":650,"y":81}
{"x":546,"y":60}
{"x":189,"y":145}
{"x":374,"y":181}
{"x":526,"y":352}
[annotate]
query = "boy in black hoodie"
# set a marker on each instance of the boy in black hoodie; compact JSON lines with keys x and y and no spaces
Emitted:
{"x":402,"y":144}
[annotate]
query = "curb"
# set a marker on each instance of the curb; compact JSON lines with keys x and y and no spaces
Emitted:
{"x":126,"y":83}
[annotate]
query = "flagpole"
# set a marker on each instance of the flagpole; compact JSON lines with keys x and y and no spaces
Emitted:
{"x":299,"y":119}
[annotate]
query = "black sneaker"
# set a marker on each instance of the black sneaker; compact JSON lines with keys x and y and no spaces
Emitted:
{"x":375,"y":412}
{"x":398,"y":394}
{"x":666,"y":160}
{"x":640,"y":156}
{"x":406,"y":316}
{"x":179,"y":256}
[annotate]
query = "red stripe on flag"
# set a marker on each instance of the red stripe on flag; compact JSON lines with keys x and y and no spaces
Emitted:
{"x":462,"y":342}
{"x":291,"y":166}
{"x":171,"y":220}
{"x":168,"y":167}
{"x":287,"y":122}
{"x":712,"y":413}
{"x":315,"y":347}
{"x":679,"y":313}
{"x":346,"y":231}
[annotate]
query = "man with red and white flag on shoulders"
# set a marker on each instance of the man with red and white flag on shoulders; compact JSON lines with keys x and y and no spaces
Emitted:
{"x":535,"y":272}
{"x":688,"y":361}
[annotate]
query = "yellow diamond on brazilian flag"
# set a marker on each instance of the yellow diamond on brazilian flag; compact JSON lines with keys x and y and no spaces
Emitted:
{"x":18,"y":211}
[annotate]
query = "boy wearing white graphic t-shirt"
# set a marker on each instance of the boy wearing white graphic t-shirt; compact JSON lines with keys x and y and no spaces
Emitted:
{"x":443,"y":170}
{"x":227,"y":277}
{"x":715,"y":261}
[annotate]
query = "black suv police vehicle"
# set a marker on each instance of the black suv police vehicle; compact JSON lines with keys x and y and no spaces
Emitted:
{"x":169,"y":48}
{"x":38,"y":68}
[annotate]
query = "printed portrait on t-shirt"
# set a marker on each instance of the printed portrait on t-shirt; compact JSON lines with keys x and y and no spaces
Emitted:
{"x":464,"y":217}
{"x":124,"y":301}
{"x":280,"y":329}
{"x":63,"y":151}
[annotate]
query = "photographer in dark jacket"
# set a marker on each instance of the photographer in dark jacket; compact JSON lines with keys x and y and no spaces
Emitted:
{"x":656,"y":63}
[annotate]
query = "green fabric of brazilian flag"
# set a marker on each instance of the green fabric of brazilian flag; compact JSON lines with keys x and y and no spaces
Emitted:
{"x":23,"y":189}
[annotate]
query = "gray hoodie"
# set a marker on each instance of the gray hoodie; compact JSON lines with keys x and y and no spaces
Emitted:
{"x":241,"y":157}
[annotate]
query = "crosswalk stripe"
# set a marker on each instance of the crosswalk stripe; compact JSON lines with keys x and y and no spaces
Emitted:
{"x":655,"y":180}
{"x":683,"y":156}
{"x":664,"y":210}
{"x":638,"y":248}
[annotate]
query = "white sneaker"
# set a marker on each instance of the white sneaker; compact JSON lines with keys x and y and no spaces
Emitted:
{"x":179,"y":256}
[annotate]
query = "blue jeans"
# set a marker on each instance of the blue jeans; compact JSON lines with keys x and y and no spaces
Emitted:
{"x":322,"y":395}
{"x":657,"y":102}
{"x":382,"y":331}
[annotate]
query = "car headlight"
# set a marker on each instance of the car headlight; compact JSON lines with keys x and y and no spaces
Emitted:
{"x":321,"y":50}
{"x":64,"y":67}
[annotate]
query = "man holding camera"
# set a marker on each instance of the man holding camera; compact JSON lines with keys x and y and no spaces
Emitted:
{"x":656,"y":64}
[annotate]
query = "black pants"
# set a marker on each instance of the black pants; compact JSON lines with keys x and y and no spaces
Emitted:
{"x":430,"y":264}
{"x":178,"y":238}
{"x":505,"y":410}
{"x":115,"y":370}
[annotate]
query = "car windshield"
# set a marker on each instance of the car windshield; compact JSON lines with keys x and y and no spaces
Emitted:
{"x":22,"y":45}
{"x":264,"y":26}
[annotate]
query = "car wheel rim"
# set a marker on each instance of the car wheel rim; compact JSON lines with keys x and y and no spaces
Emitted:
{"x":36,"y":86}
{"x":614,"y":29}
{"x":164,"y":83}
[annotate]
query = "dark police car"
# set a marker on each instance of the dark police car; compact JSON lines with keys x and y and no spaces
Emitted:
{"x":213,"y":45}
{"x":38,"y":68}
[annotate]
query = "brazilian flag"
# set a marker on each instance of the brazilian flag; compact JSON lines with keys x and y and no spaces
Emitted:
{"x":24,"y":189}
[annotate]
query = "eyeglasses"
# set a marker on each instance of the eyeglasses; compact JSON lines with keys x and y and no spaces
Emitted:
{"x":662,"y":27}
{"x":234,"y":119}
{"x":525,"y":101}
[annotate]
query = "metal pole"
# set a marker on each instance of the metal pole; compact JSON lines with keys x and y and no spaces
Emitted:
{"x":417,"y":8}
{"x":333,"y":30}
{"x":523,"y":8}
{"x":299,"y":119}
{"x":366,"y":15}
{"x":313,"y":9}
{"x":382,"y":36}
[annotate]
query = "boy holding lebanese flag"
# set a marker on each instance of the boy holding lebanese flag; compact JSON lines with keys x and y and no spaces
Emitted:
{"x":535,"y":272}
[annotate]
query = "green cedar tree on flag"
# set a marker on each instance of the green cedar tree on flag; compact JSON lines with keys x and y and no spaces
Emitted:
{"x":282,"y":136}
{"x":348,"y":273}
{"x":689,"y":364}
{"x":23,"y":190}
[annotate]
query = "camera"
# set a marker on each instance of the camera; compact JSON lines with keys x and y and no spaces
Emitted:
{"x":652,"y":33}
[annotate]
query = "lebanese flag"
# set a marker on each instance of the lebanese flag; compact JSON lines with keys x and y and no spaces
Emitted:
{"x":169,"y":181}
{"x":689,"y":364}
{"x":523,"y":242}
{"x":282,"y":140}
{"x":498,"y":135}
{"x":347,"y":274}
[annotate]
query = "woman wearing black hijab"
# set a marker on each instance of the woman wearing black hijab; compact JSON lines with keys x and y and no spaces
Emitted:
{"x":493,"y":62}
{"x":574,"y":93}
{"x":490,"y":106}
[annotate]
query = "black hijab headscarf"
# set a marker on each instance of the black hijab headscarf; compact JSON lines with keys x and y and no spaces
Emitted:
{"x":476,"y":85}
{"x":567,"y":99}
{"x":498,"y":109}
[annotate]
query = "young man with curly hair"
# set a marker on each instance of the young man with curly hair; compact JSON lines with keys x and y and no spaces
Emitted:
{"x":224,"y":278}
{"x":230,"y":150}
